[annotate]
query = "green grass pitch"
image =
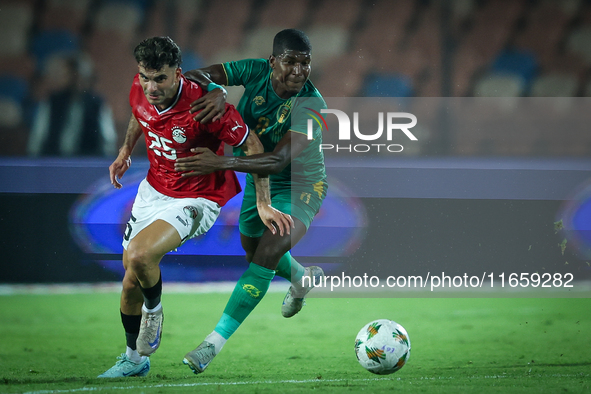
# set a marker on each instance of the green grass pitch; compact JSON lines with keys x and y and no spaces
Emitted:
{"x":59,"y":343}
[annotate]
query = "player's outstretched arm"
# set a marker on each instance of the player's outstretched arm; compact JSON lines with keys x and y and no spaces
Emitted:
{"x":205,"y":161}
{"x":274,"y":219}
{"x":123,"y":160}
{"x":212,"y":105}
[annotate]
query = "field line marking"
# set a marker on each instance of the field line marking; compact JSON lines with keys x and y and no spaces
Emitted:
{"x":197,"y":384}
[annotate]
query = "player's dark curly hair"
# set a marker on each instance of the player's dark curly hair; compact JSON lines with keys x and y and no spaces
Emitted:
{"x":291,"y":39}
{"x":156,"y":52}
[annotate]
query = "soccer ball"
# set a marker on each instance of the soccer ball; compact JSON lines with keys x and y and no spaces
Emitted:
{"x":382,"y":347}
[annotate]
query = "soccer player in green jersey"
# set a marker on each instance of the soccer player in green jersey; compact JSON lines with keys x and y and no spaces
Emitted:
{"x":273,"y":88}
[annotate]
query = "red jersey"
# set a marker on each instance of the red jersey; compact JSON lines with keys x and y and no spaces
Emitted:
{"x":172,"y":133}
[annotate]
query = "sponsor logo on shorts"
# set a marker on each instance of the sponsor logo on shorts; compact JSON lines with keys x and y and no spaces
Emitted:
{"x":184,"y":222}
{"x":191,"y":211}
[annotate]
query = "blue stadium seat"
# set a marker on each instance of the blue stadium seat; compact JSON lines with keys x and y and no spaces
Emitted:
{"x":13,"y":93}
{"x":520,"y":62}
{"x":388,"y":85}
{"x":13,"y":87}
{"x":48,"y":42}
{"x":191,"y":60}
{"x":141,"y":4}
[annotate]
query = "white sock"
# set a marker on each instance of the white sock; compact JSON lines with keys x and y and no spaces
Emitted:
{"x":217,"y":340}
{"x":134,"y":356}
{"x":156,"y":309}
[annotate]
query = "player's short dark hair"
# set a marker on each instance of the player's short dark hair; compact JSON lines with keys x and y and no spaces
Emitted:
{"x":291,"y":39}
{"x":156,"y":52}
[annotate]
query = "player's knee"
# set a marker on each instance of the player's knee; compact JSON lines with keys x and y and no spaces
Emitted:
{"x":248,"y":257}
{"x":138,"y":260}
{"x":267,"y":257}
{"x":131,"y":293}
{"x":130,"y":284}
{"x":249,"y":245}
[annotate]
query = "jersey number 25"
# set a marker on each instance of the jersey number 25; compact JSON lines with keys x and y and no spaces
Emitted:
{"x":160,"y":146}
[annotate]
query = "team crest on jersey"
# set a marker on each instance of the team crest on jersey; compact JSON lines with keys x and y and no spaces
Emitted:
{"x":259,"y":100}
{"x":178,"y":134}
{"x":283,"y":112}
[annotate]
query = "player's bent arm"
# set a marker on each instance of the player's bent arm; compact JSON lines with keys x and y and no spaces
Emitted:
{"x":271,"y":217}
{"x":253,"y":146}
{"x":212,"y":105}
{"x":205,"y":161}
{"x":123,"y":160}
{"x":289,"y":147}
{"x":206,"y":75}
{"x":132,"y":135}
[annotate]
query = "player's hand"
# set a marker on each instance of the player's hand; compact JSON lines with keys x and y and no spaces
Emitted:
{"x":203,"y":162}
{"x":212,"y":106}
{"x":275,"y":220}
{"x":117,"y":169}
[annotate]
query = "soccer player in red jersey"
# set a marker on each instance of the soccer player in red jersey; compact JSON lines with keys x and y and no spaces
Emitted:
{"x":169,"y":209}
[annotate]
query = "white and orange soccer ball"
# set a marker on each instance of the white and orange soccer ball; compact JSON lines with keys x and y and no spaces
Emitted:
{"x":382,"y":347}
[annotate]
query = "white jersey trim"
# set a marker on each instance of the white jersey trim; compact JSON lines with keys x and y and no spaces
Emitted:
{"x":244,"y":138}
{"x":176,"y":100}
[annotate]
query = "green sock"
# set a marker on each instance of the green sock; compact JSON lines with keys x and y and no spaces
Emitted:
{"x":250,"y":289}
{"x":289,"y":268}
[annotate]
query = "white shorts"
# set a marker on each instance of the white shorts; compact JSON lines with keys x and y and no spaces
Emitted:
{"x":189,"y":216}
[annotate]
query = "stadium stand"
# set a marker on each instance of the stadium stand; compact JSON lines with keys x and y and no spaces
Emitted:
{"x":579,"y":42}
{"x":114,"y":34}
{"x":210,"y":38}
{"x":342,"y":13}
{"x":274,"y":13}
{"x":519,"y":62}
{"x":555,"y":85}
{"x":13,"y":93}
{"x":500,"y":85}
{"x":70,"y":15}
{"x":49,"y":42}
{"x":388,"y":85}
{"x":16,"y":21}
{"x":407,"y":48}
{"x":328,"y":41}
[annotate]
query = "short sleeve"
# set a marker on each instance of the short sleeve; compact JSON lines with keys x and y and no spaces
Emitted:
{"x":241,"y":72}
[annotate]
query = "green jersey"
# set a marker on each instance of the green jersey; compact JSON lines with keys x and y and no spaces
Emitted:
{"x":271,"y":118}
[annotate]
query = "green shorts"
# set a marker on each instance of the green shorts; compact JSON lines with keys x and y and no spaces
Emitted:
{"x":302,"y":204}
